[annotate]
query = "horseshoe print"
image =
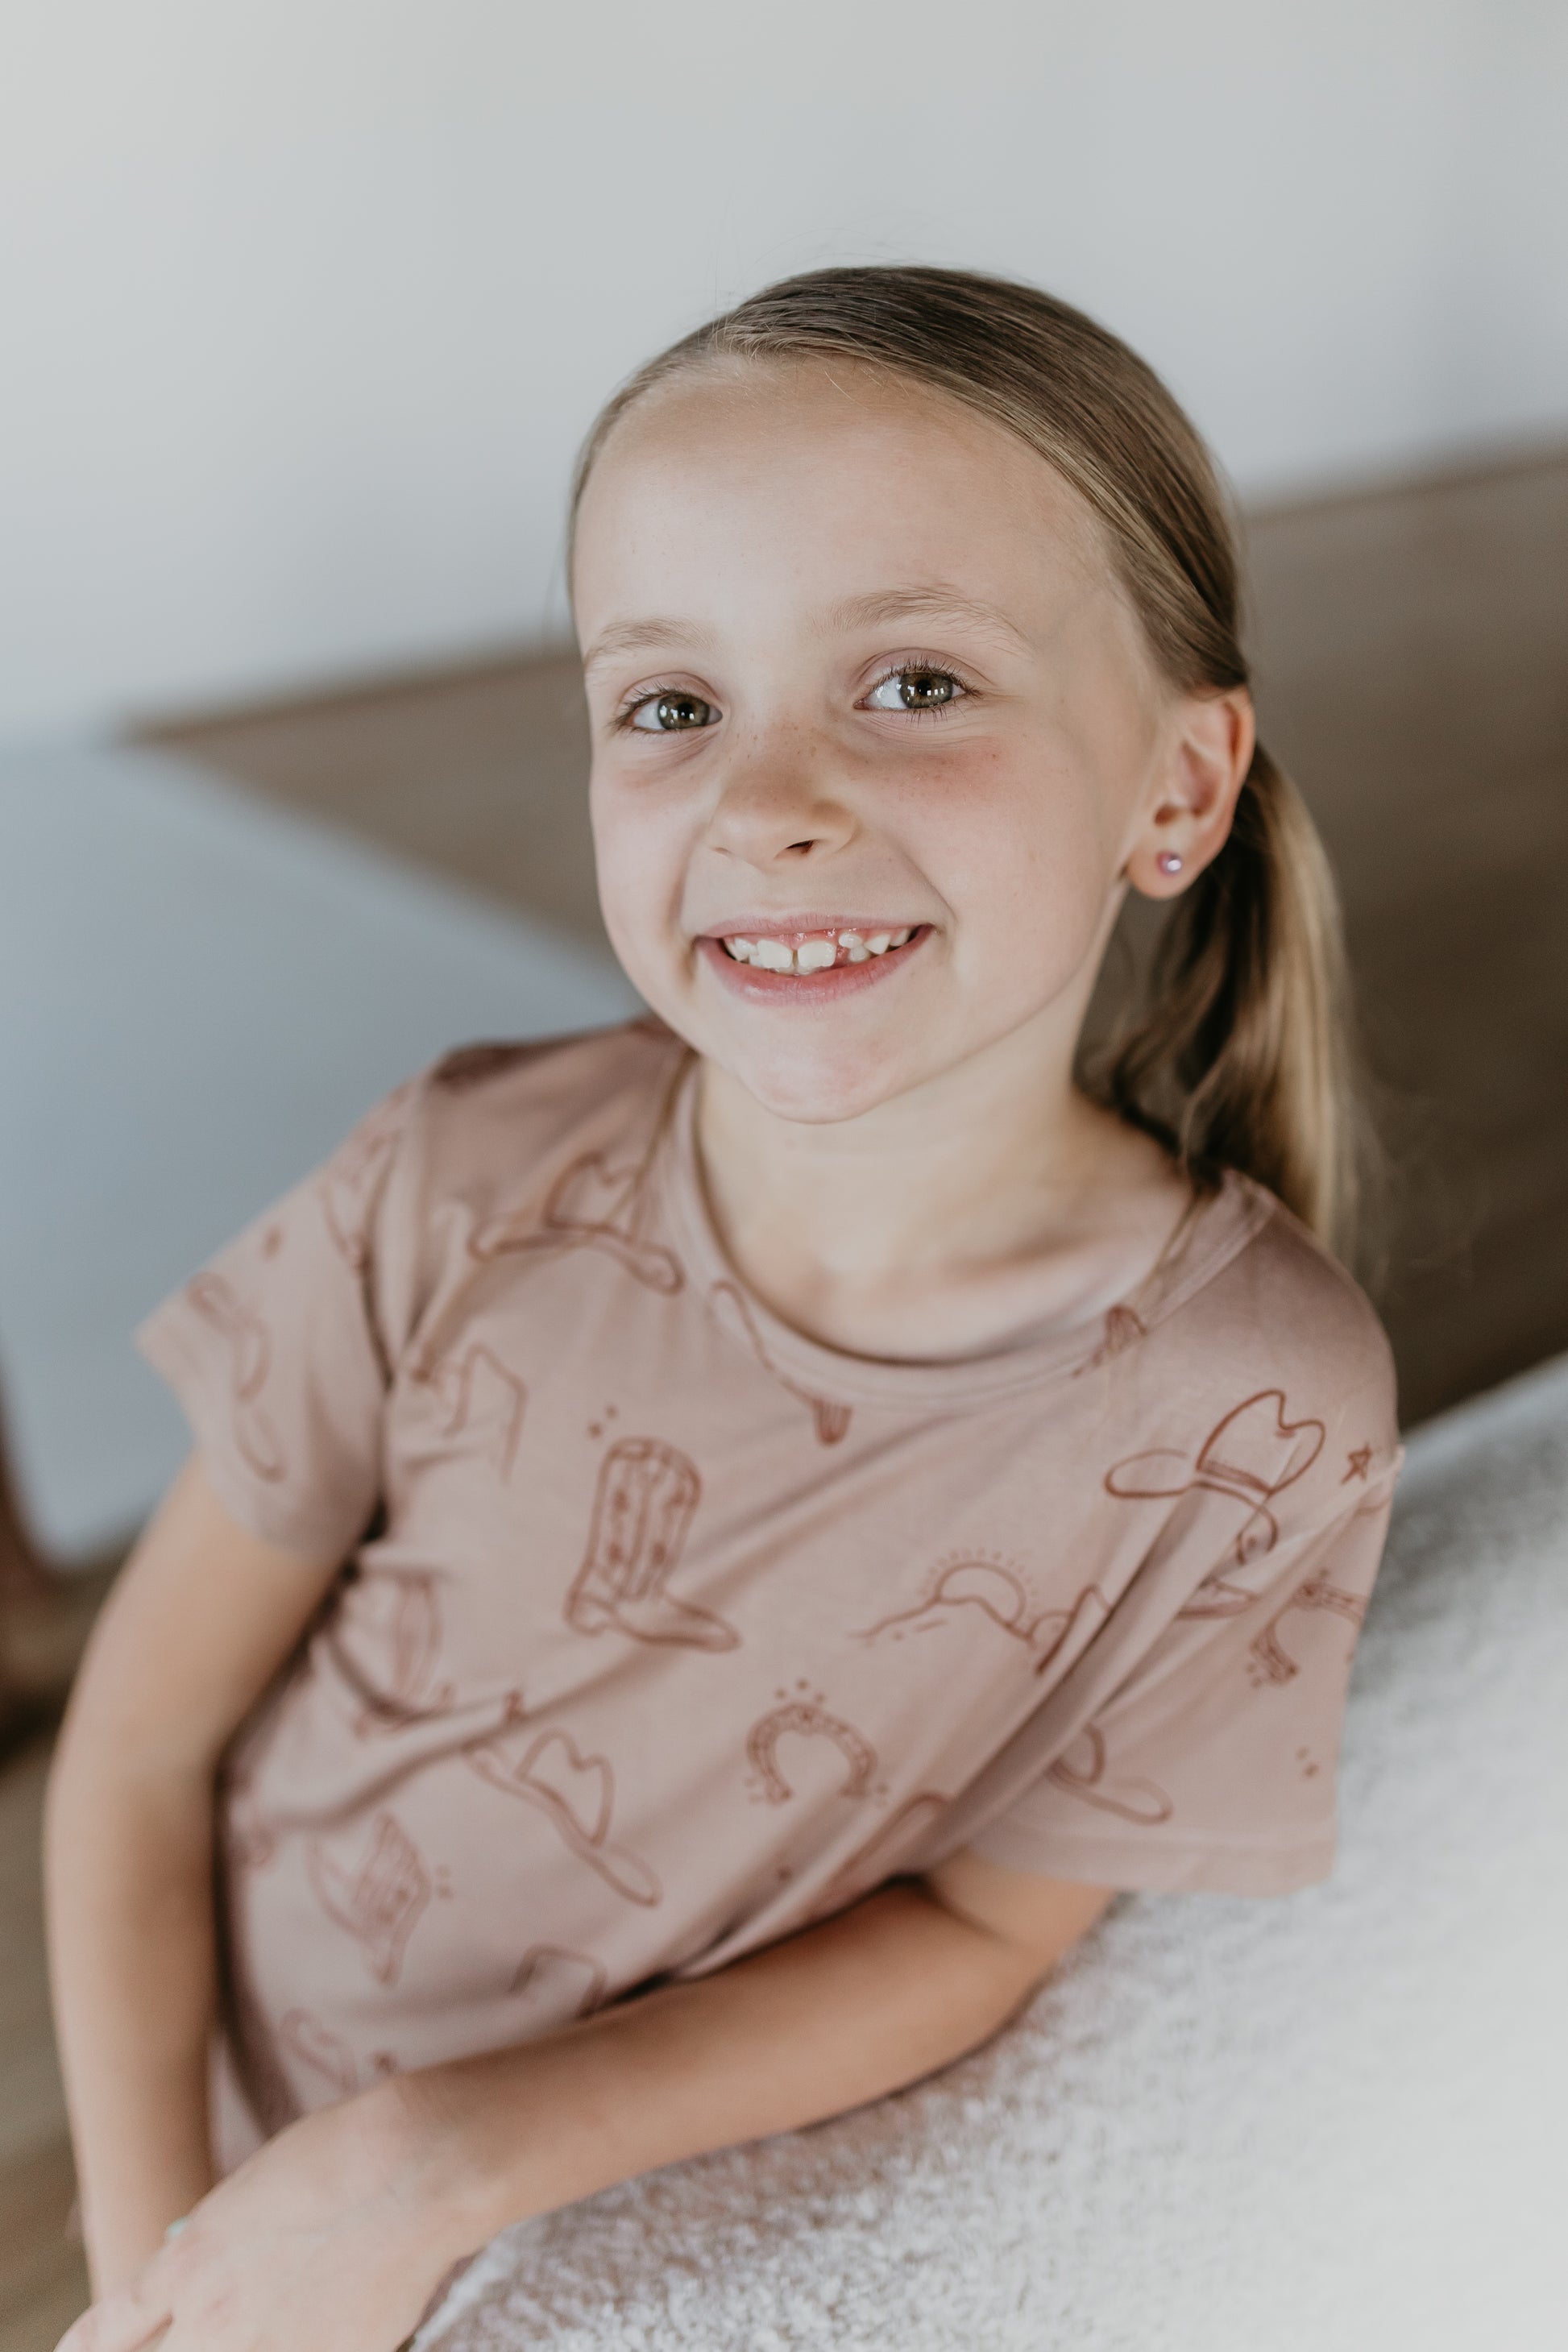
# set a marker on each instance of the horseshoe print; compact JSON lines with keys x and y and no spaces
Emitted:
{"x":806,"y":1720}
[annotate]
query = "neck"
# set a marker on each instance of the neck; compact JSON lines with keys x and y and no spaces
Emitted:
{"x":971,"y":1172}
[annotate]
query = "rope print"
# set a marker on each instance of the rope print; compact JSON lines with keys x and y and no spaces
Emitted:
{"x":249,"y":1362}
{"x":1080,"y":1770}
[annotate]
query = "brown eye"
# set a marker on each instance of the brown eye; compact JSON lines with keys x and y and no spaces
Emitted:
{"x":672,"y":714}
{"x":914,"y":689}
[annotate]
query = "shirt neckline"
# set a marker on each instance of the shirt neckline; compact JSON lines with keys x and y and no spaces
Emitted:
{"x":1219,"y":1228}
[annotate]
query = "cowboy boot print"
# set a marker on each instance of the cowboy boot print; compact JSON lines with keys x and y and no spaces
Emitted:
{"x":643,"y":1508}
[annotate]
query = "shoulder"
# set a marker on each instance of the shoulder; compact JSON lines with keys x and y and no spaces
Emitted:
{"x":495,"y":1107}
{"x":1266,"y":1348}
{"x":1291,"y":1301}
{"x":484,"y":1134}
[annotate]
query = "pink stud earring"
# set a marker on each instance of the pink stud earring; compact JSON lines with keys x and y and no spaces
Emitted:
{"x":1168,"y":862}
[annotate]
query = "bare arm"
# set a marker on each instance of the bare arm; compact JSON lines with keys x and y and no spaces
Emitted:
{"x":331,"y":2238}
{"x":906,"y":1981}
{"x":199,"y":1620}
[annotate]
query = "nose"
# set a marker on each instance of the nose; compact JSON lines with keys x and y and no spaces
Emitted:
{"x":779,"y":802}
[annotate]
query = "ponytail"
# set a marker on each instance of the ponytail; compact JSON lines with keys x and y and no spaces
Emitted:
{"x":1241,"y":1057}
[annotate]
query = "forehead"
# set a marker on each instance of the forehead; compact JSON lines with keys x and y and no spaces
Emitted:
{"x":786,"y":477}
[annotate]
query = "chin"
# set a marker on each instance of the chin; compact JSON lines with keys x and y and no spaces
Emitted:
{"x":817,"y":1089}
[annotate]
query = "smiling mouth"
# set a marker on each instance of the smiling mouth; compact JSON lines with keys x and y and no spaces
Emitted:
{"x":799,"y":955}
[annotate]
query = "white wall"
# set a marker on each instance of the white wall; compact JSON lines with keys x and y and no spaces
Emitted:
{"x":305,"y":302}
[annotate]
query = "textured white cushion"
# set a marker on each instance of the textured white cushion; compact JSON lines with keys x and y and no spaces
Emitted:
{"x":199,"y":994}
{"x":1319,"y":2124}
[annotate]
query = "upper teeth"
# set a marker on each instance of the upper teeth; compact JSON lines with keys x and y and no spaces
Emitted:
{"x":815,"y":954}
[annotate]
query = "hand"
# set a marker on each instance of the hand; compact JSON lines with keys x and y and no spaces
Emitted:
{"x":333,"y":2238}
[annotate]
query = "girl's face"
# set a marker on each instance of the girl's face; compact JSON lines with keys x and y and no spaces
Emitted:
{"x":876,"y":738}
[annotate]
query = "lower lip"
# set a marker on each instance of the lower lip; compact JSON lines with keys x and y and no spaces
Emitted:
{"x":760,"y":987}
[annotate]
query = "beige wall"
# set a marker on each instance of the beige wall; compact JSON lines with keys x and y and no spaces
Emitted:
{"x":305,"y":303}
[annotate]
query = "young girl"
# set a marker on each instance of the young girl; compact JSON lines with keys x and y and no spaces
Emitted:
{"x":713,"y":1548}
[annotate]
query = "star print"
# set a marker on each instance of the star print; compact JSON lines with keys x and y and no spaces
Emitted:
{"x":1360,"y":1460}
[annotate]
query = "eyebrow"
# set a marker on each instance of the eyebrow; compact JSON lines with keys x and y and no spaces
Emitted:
{"x":657,"y":634}
{"x":653,"y":635}
{"x":936,"y":602}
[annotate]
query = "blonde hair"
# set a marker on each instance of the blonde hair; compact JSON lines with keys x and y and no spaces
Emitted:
{"x":1238,"y":1054}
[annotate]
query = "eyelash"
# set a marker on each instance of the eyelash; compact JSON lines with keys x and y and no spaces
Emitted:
{"x":918,"y":664}
{"x":907,"y":663}
{"x":629,"y":711}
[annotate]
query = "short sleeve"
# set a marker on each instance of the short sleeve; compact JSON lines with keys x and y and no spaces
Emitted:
{"x":280,"y":1350}
{"x":1213,"y":1766}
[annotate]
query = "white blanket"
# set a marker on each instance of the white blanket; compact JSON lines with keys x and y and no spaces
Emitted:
{"x":1327,"y":2122}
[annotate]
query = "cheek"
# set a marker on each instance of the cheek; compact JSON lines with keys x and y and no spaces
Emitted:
{"x":635,"y":848}
{"x":1021,"y":857}
{"x":641,"y":852}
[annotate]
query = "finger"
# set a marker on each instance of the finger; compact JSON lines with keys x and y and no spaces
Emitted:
{"x":120,"y":2323}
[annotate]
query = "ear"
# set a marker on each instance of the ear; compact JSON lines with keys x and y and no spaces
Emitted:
{"x":1188,"y":811}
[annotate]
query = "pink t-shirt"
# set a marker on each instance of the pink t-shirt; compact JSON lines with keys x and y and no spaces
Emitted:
{"x":665,"y":1630}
